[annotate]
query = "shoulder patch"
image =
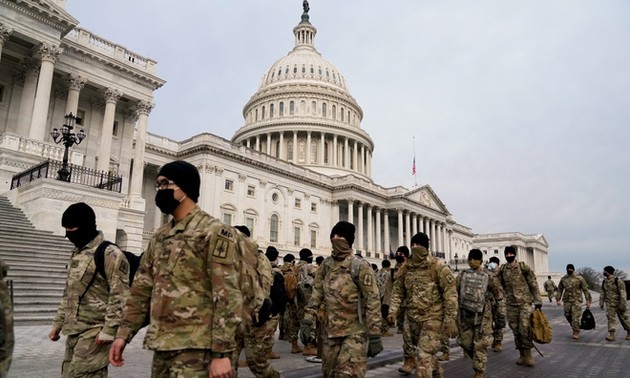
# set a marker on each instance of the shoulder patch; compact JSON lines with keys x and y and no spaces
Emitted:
{"x":225,"y":233}
{"x":124,"y":266}
{"x":450,"y":278}
{"x":367,"y":280}
{"x":221,"y":249}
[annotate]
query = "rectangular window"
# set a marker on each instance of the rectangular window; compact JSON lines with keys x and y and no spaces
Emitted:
{"x":229,"y":185}
{"x":296,"y":236}
{"x":115,"y":129}
{"x":496,"y":251}
{"x":314,"y":207}
{"x":368,"y":254}
{"x":1,"y":93}
{"x":80,"y":120}
{"x":313,"y":239}
{"x":249,"y":222}
{"x":251,"y":190}
{"x":298,"y":203}
{"x":227,"y":218}
{"x":485,"y":252}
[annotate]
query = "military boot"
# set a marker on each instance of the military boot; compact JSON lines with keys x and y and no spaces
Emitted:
{"x":478,"y":374}
{"x":496,"y":346}
{"x":529,"y":359}
{"x":576,"y":335}
{"x":387,"y":333}
{"x":309,"y":350}
{"x":521,"y":359}
{"x":273,"y":355}
{"x":611,"y":336}
{"x":408,"y":366}
{"x":295,"y":348}
{"x":444,"y":357}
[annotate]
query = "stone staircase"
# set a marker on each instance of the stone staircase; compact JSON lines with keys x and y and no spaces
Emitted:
{"x":37,"y":263}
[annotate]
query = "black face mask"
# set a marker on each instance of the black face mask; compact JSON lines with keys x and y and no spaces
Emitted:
{"x":400,"y":259}
{"x":309,"y":260}
{"x":510,"y":259}
{"x":80,"y":238}
{"x":569,"y":272}
{"x":165,"y":201}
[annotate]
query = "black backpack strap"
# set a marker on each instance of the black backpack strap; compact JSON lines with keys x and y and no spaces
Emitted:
{"x":99,"y":261}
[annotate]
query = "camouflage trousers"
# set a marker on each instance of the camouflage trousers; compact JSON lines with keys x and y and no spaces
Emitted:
{"x":519,"y":319}
{"x":550,"y":295}
{"x":291,"y":322}
{"x":497,"y":334}
{"x":573,"y":314}
{"x":475,"y":338}
{"x":410,"y":339}
{"x":429,"y":341}
{"x":83,"y":358}
{"x":345,"y":357}
{"x":612,"y":312}
{"x":258,"y":342}
{"x":185,"y":363}
{"x":8,"y":339}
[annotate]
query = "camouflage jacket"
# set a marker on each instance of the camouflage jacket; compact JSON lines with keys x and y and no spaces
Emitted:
{"x":571,"y":288}
{"x":428,"y":289}
{"x":493,"y":294}
{"x":335,"y":291}
{"x":8,"y":339}
{"x":303,"y":269}
{"x":550,"y":285}
{"x":519,"y":284}
{"x":102,"y":304}
{"x":613,"y":293}
{"x":188,"y":280}
{"x":385,"y":285}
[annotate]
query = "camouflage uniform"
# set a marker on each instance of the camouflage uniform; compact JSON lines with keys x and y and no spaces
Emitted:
{"x":291,"y":318}
{"x":475,"y":329}
{"x":8,"y":341}
{"x":410,"y":340}
{"x":345,"y":337}
{"x":570,"y":292}
{"x":429,"y":290}
{"x":498,"y":311}
{"x":521,"y":290}
{"x":303,"y":269}
{"x":385,"y":287}
{"x":188,"y":282}
{"x":550,"y":288}
{"x":97,"y":313}
{"x":614,"y":297}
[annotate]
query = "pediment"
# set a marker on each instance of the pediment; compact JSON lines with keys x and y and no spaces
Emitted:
{"x":425,"y":196}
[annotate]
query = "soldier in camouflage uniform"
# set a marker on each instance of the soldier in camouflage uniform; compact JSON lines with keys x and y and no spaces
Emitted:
{"x":273,"y":322}
{"x":428,"y":286}
{"x":291,"y":318}
{"x":475,"y":329}
{"x":188,"y":282}
{"x":385,"y":287}
{"x":409,"y":340}
{"x":521,"y":290}
{"x":550,"y":288}
{"x":305,"y":268}
{"x":570,"y":290}
{"x":351,"y":307}
{"x":89,"y":315}
{"x":614,"y":298}
{"x":498,"y":309}
{"x":6,"y":318}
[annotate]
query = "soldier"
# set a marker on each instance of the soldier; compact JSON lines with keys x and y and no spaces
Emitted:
{"x":91,"y":308}
{"x":6,"y":323}
{"x":409,"y":340}
{"x":428,"y":286}
{"x":550,"y":288}
{"x":614,"y":297}
{"x":385,"y":286}
{"x":477,"y":289}
{"x":345,"y":287}
{"x":188,"y":282}
{"x":521,"y":290}
{"x":279,"y":308}
{"x":305,"y":275}
{"x":498,"y":309}
{"x":570,"y":289}
{"x":291,"y":320}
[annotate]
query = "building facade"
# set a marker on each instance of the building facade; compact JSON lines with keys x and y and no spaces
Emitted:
{"x":300,"y":162}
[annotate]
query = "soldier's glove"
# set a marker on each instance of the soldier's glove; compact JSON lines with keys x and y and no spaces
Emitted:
{"x":375,"y":345}
{"x":538,"y":306}
{"x":391,"y":319}
{"x":449,"y":327}
{"x":305,"y":332}
{"x":263,"y":314}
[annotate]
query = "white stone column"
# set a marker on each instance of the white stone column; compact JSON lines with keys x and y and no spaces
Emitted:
{"x":440,"y":244}
{"x":346,"y":154}
{"x":143,"y":108}
{"x":281,"y":153}
{"x":401,"y":239}
{"x":369,"y":164}
{"x":111,"y":97}
{"x":360,"y":226}
{"x":5,"y":33}
{"x":335,"y":212}
{"x":334,"y":151}
{"x":295,"y":148}
{"x":248,"y":143}
{"x":434,"y":236}
{"x":48,"y":55}
{"x":387,"y":246}
{"x":407,"y":228}
{"x":268,"y":143}
{"x":351,"y":210}
{"x":370,"y":229}
{"x":30,"y":67}
{"x":414,"y":226}
{"x":308,"y":147}
{"x":379,"y":244}
{"x":363,"y":165}
{"x":355,"y":156}
{"x":322,"y":149}
{"x":75,"y":84}
{"x":258,"y":143}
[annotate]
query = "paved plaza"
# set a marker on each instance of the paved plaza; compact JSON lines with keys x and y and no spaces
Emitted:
{"x":590,"y":356}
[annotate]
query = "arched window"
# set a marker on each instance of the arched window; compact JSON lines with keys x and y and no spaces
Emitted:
{"x":314,"y":107}
{"x":290,"y":149}
{"x":324,"y":110}
{"x":314,"y":151}
{"x":326,"y":147}
{"x":256,"y":115}
{"x":281,"y":109}
{"x":291,"y":107}
{"x":263,"y":112}
{"x":271,"y":108}
{"x":334,"y":112}
{"x":342,"y":111}
{"x":273,"y":229}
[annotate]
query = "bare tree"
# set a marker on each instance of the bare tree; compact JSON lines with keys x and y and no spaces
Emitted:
{"x":621,"y":274}
{"x":592,"y":277}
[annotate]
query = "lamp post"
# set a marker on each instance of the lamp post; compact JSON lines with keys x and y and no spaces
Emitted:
{"x":68,"y":138}
{"x":456,"y":262}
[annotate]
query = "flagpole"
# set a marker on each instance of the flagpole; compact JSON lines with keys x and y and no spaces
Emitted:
{"x":415,"y":176}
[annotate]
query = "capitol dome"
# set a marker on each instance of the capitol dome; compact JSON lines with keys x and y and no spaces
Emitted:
{"x":303,"y":113}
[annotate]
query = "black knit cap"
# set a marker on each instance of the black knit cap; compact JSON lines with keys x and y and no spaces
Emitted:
{"x":79,"y":215}
{"x":244,"y":230}
{"x":272,"y":253}
{"x":609,"y":269}
{"x":421,"y":239}
{"x":345,"y":230}
{"x":184,"y":175}
{"x":288,"y":258}
{"x":570,"y":266}
{"x":404,"y":250}
{"x":305,"y":253}
{"x":510,"y":249}
{"x":495,"y":259}
{"x":475,"y":254}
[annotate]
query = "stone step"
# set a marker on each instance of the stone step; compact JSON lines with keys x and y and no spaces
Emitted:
{"x":46,"y":302}
{"x":26,"y":289}
{"x":35,"y":264}
{"x":23,"y":254}
{"x":42,"y":280}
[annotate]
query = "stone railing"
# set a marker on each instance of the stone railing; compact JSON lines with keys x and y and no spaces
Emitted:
{"x":37,"y":148}
{"x":113,"y":50}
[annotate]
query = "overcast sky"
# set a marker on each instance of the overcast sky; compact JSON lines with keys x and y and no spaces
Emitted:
{"x":517,"y":107}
